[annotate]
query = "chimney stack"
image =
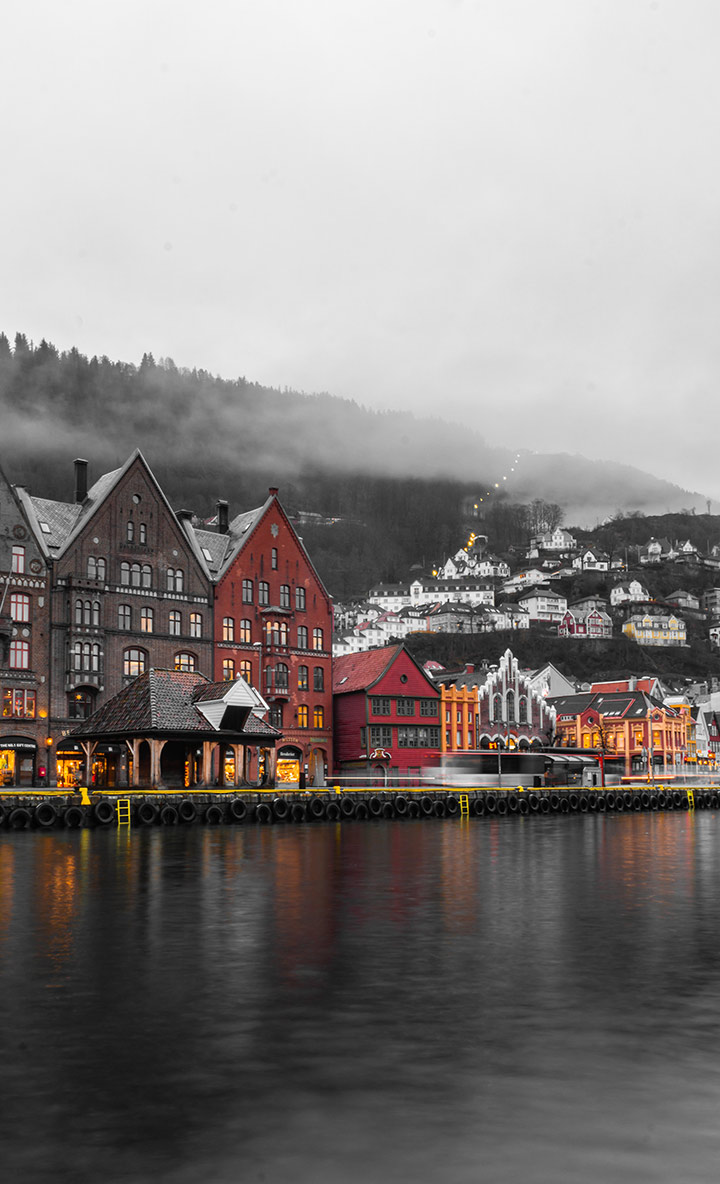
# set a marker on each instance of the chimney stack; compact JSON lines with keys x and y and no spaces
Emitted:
{"x":223,"y":518}
{"x":184,"y":515}
{"x":273,"y":491}
{"x":81,"y":484}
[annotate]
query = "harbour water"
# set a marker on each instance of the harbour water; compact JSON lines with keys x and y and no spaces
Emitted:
{"x":525,"y":999}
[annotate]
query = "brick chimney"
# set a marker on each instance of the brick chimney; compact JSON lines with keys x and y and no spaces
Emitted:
{"x":223,"y":517}
{"x":81,"y":481}
{"x":469,"y":667}
{"x":273,"y":491}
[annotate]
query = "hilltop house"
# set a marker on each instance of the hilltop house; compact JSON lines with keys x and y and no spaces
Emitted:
{"x":631,"y":591}
{"x":655,"y":628}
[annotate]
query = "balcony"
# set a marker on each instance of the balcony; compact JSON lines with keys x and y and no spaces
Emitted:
{"x":83,"y":678}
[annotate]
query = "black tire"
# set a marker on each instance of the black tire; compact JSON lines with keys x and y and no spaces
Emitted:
{"x":413,"y":809}
{"x":684,"y":802}
{"x":534,"y":803}
{"x":544,"y":806}
{"x":592,"y":802}
{"x":361,"y":811}
{"x":401,"y":805}
{"x":479,"y":807}
{"x":19,"y":818}
{"x":316,"y":809}
{"x":280,"y":809}
{"x":490,"y":803}
{"x":74,"y":817}
{"x":523,"y":807}
{"x":610,"y":801}
{"x":347,"y":807}
{"x":332,"y":811}
{"x":601,"y":803}
{"x":502,"y":806}
{"x":452,"y":806}
{"x":427,"y":806}
{"x":619,"y":803}
{"x":103,"y":812}
{"x":554,"y":803}
{"x":668,"y":800}
{"x":583,"y":804}
{"x":512,"y":803}
{"x":263,"y":813}
{"x":573,"y":802}
{"x":187,"y":810}
{"x":439,"y":808}
{"x":147,"y":813}
{"x":298,"y":813}
{"x":645,"y":800}
{"x":213,"y":815}
{"x":628,"y":801}
{"x":45,"y":815}
{"x":714,"y":801}
{"x":238,"y":810}
{"x":677,"y":798}
{"x":375,"y":806}
{"x":654,"y":801}
{"x":169,"y":815}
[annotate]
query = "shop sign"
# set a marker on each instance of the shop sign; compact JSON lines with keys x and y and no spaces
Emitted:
{"x":17,"y":742}
{"x":288,"y":754}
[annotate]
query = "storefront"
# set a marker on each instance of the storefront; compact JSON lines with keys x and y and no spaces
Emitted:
{"x":289,"y":766}
{"x":70,"y":763}
{"x":18,"y":756}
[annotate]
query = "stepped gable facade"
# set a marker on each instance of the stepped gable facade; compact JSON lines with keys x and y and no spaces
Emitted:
{"x":512,"y":711}
{"x":386,"y":717}
{"x":273,"y":626}
{"x":24,"y":636}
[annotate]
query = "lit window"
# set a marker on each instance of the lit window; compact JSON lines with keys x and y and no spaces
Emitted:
{"x":263,"y":592}
{"x":174,"y":623}
{"x":246,"y":671}
{"x":228,"y":670}
{"x":19,"y":704}
{"x":302,"y":716}
{"x":245,"y":630}
{"x":147,"y":620}
{"x":302,"y":637}
{"x":318,"y":678}
{"x":318,"y":717}
{"x":19,"y":606}
{"x":303,"y":678}
{"x":18,"y":560}
{"x":284,"y":596}
{"x":186,"y":662}
{"x":124,"y":616}
{"x":134,"y":663}
{"x":19,"y":655}
{"x":318,"y":641}
{"x":196,"y":624}
{"x":300,"y":598}
{"x":228,"y":629}
{"x":80,"y":704}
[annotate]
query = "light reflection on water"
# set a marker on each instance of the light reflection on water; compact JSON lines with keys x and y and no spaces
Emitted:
{"x":478,"y":1000}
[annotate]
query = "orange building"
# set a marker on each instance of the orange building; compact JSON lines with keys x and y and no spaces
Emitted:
{"x":459,"y":718}
{"x":632,"y":728}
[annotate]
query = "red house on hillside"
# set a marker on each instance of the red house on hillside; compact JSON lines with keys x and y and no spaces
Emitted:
{"x":386,"y":716}
{"x":273,"y":626}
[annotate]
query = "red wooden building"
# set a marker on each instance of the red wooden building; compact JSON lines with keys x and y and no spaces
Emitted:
{"x":386,"y":717}
{"x":273,"y":626}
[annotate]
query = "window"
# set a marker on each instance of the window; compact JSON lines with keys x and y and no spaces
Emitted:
{"x":125,"y":573}
{"x":497,"y":707}
{"x":302,"y":713}
{"x":196,"y":624}
{"x":510,"y":705}
{"x":380,"y":705}
{"x":143,"y":532}
{"x":429,"y":707}
{"x":101,"y":567}
{"x":87,"y":612}
{"x":134,"y":663}
{"x":405,"y":706}
{"x":302,"y":637}
{"x":245,"y":630}
{"x":228,"y":669}
{"x":318,"y":640}
{"x":263,"y":592}
{"x":318,"y":678}
{"x":19,"y":655}
{"x":522,"y":710}
{"x":174,"y":623}
{"x":228,"y":629}
{"x":300,"y":598}
{"x":274,"y":558}
{"x":282,"y":677}
{"x":85,"y":656}
{"x":246,"y":671}
{"x":277,"y":633}
{"x":147,"y":577}
{"x":19,"y":704}
{"x":80,"y":704}
{"x":130,"y":530}
{"x":247,"y":591}
{"x":18,"y":560}
{"x":95,"y":568}
{"x":124,"y":616}
{"x":284,"y":596}
{"x":19,"y":606}
{"x":147,"y":620}
{"x":318,"y":717}
{"x":175,"y":579}
{"x":380,"y":736}
{"x":303,"y":678}
{"x":186,"y":662}
{"x":276,"y":715}
{"x":422,"y":737}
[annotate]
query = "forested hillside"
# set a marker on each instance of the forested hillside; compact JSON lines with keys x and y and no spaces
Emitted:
{"x":397,"y":483}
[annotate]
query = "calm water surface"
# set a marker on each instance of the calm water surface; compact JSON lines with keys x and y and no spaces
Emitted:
{"x":508,"y":1000}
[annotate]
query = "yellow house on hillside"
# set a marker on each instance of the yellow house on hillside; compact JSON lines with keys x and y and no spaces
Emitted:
{"x":655,"y":629}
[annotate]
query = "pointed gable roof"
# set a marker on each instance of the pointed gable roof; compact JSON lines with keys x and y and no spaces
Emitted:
{"x":359,"y":672}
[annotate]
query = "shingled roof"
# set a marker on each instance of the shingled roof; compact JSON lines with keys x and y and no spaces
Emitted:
{"x":162,"y":701}
{"x":357,"y":672}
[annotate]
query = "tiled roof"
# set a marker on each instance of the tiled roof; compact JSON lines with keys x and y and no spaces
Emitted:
{"x":216,"y":546}
{"x":60,"y":517}
{"x":356,"y":672}
{"x":162,"y":701}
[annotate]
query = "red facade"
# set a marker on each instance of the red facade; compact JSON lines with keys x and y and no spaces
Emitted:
{"x":273,"y":625}
{"x":386,"y":717}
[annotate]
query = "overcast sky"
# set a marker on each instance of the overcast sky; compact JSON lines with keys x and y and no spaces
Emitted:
{"x":506,"y":212}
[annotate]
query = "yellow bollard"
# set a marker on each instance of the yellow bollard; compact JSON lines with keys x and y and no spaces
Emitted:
{"x":84,"y":795}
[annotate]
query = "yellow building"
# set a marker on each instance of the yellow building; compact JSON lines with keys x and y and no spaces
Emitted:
{"x":459,"y":714}
{"x":636,"y":731}
{"x":655,"y":629}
